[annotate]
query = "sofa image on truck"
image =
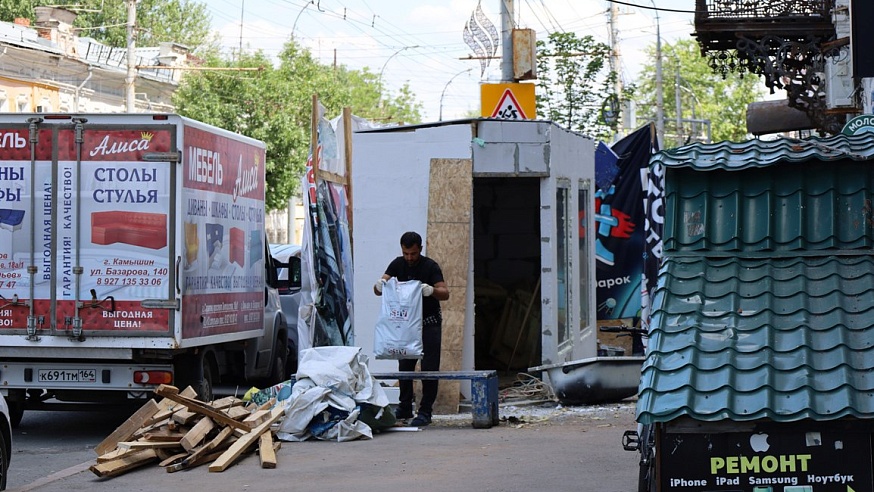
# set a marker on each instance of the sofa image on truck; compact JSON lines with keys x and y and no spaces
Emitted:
{"x":148,"y":230}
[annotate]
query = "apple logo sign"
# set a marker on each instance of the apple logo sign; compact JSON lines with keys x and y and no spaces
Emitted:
{"x":759,"y":442}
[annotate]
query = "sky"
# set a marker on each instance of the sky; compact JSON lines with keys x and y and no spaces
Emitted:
{"x":420,"y":42}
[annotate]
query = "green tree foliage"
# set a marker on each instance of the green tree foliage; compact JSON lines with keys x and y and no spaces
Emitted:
{"x":274,"y":104}
{"x":186,"y":22}
{"x":573,"y":82}
{"x":703,"y":95}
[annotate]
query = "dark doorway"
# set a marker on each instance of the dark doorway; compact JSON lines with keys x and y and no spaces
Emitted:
{"x":506,"y":263}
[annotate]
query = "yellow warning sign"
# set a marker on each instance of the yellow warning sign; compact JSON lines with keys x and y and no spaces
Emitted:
{"x":508,"y":101}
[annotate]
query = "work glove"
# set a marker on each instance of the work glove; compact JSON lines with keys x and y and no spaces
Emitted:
{"x":378,"y":285}
{"x":427,"y":290}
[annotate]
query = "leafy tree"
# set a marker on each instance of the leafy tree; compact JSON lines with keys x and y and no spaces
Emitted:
{"x":186,"y":22}
{"x":573,"y":82}
{"x":704,"y":94}
{"x":274,"y":104}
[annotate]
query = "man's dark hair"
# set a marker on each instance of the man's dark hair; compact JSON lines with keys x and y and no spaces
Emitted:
{"x":410,"y":239}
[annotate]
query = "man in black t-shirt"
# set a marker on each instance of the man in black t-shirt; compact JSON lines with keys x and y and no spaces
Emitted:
{"x":413,"y":266}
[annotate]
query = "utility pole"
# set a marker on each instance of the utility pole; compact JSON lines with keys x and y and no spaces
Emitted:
{"x":242,"y":13}
{"x":507,"y":13}
{"x":660,"y":94}
{"x":679,"y":108}
{"x":130,"y":77}
{"x":614,"y":58}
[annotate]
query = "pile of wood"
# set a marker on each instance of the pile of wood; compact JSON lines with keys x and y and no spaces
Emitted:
{"x":180,"y":432}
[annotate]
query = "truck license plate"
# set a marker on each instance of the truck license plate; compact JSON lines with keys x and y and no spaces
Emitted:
{"x":67,"y":375}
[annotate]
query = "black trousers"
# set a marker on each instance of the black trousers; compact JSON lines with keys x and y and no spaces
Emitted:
{"x":431,"y":338}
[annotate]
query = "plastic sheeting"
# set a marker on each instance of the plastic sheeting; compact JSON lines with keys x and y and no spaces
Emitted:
{"x":333,"y":393}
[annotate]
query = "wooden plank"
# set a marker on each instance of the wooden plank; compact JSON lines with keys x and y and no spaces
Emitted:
{"x":215,"y":443}
{"x":163,"y":424}
{"x":265,"y":450}
{"x":184,"y":417}
{"x":115,"y":454}
{"x":164,"y":453}
{"x":146,"y":445}
{"x":173,"y":459}
{"x":197,"y":433}
{"x":117,"y":467}
{"x":243,"y":443}
{"x":203,"y":459}
{"x":127,"y":429}
{"x":347,"y":161}
{"x":193,"y":405}
{"x":168,"y":407}
{"x":332,"y":177}
{"x":226,"y":402}
{"x":163,"y":434}
{"x":257,"y":417}
{"x":237,"y":413}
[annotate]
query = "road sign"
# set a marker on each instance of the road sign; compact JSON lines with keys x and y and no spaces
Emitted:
{"x":508,"y":101}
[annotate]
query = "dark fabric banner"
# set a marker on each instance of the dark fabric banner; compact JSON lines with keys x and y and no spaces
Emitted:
{"x":620,"y":218}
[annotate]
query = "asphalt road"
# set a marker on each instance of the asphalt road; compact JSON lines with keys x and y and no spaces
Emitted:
{"x":540,"y":448}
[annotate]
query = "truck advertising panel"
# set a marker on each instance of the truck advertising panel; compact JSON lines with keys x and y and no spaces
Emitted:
{"x":223,"y":227}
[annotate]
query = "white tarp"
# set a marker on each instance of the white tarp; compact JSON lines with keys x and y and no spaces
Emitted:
{"x":332,"y":385}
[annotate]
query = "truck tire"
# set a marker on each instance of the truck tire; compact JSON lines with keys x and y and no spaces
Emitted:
{"x":280,"y":359}
{"x":291,"y":362}
{"x":4,"y":461}
{"x":196,"y":371}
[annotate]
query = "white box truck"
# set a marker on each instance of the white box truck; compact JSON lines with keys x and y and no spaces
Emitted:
{"x":132,"y":253}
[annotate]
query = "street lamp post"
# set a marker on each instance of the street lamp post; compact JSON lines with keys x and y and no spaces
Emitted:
{"x":440,"y":118}
{"x":381,"y":71}
{"x":294,"y":26}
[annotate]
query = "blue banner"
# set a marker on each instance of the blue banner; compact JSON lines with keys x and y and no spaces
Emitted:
{"x":621,"y":236}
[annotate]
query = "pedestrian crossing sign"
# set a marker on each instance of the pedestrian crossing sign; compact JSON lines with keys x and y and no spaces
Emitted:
{"x":508,"y":101}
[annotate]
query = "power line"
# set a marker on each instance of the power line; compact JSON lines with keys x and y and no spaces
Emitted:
{"x":659,"y":9}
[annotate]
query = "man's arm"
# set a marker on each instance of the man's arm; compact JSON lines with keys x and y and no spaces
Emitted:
{"x":441,"y":291}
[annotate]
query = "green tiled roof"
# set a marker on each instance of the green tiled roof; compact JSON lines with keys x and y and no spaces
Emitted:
{"x":778,"y":338}
{"x":765,"y":301}
{"x":783,"y":207}
{"x":763,"y":153}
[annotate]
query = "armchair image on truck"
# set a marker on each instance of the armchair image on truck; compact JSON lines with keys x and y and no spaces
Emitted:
{"x":140,"y":258}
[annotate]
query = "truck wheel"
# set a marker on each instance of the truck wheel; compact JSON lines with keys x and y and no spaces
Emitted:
{"x":280,"y":358}
{"x":204,"y":390}
{"x":4,"y":462}
{"x":16,"y":412}
{"x":195,"y":370}
{"x":291,"y":362}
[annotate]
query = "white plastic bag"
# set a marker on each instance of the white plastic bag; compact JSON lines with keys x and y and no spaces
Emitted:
{"x":399,"y":325}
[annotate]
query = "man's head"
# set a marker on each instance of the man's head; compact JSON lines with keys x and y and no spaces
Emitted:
{"x":411,"y":247}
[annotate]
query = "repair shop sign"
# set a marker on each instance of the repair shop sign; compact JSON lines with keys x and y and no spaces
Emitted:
{"x":813,"y":461}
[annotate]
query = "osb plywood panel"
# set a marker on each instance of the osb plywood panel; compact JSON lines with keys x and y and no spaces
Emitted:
{"x":454,"y":238}
{"x":449,"y":199}
{"x":450,"y":203}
